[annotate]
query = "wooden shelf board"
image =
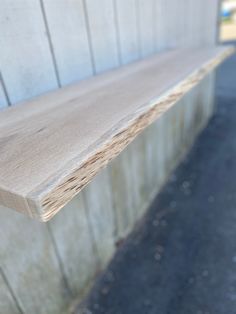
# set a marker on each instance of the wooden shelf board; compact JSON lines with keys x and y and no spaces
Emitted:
{"x":53,"y":145}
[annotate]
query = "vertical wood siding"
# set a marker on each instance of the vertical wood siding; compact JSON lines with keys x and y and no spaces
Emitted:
{"x":100,"y":17}
{"x":30,"y":265}
{"x":68,"y":33}
{"x":48,"y":44}
{"x":25,"y":58}
{"x":146,"y":27}
{"x":99,"y":207}
{"x":74,"y":244}
{"x":3,"y":96}
{"x":8,"y":301}
{"x":127,"y":30}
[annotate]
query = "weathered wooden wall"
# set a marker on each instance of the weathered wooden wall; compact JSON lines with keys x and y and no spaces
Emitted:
{"x":46,"y":44}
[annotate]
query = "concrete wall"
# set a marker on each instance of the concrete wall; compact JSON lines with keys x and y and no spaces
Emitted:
{"x":46,"y":44}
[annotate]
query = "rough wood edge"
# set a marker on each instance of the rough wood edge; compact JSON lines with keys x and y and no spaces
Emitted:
{"x":108,"y":147}
{"x":48,"y":198}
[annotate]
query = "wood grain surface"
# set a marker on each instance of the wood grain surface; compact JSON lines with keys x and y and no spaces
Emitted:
{"x":53,"y":145}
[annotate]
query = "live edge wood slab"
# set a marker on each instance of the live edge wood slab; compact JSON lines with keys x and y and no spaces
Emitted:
{"x":53,"y":145}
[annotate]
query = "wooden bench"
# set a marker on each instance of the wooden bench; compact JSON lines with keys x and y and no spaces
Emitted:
{"x":53,"y":145}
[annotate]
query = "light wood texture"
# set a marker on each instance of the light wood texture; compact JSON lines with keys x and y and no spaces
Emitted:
{"x":53,"y":146}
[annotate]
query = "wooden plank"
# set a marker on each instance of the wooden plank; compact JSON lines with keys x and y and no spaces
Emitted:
{"x":102,"y":31}
{"x":65,"y":143}
{"x":30,"y":265}
{"x":3,"y":99}
{"x":210,"y":93}
{"x":171,"y":23}
{"x":181,"y":25}
{"x":146,"y":26}
{"x":23,"y":38}
{"x":190,"y":23}
{"x":155,"y":155}
{"x":8,"y":304}
{"x":210,"y":23}
{"x":69,"y":37}
{"x":159,"y":25}
{"x":100,"y":211}
{"x":122,"y":190}
{"x":75,"y":245}
{"x":127,"y":30}
{"x":189,"y":100}
{"x":139,"y":175}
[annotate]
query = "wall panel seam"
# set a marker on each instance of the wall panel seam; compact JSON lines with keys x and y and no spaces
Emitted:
{"x":137,"y":13}
{"x":115,"y":222}
{"x":118,"y":39}
{"x":54,"y":61}
{"x":86,"y":17}
{"x":7,"y":283}
{"x":60,"y":263}
{"x":218,"y":21}
{"x":153,"y":26}
{"x":92,"y":235}
{"x":2,"y":82}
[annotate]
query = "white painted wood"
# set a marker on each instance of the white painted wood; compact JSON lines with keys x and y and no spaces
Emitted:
{"x":122,"y":191}
{"x":3,"y":101}
{"x":73,"y":138}
{"x":69,"y":37}
{"x":138,"y":170}
{"x":159,"y":25}
{"x":183,"y":22}
{"x":7,"y":302}
{"x":29,"y":262}
{"x":211,"y":94}
{"x":25,"y":58}
{"x":192,"y":19}
{"x":102,"y":31}
{"x":155,"y":155}
{"x":181,"y":17}
{"x":99,"y":206}
{"x":211,"y":23}
{"x":74,"y":243}
{"x":189,"y":101}
{"x":171,"y":23}
{"x":127,"y":30}
{"x":146,"y":26}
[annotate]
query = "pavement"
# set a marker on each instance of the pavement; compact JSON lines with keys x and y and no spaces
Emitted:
{"x":182,"y":258}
